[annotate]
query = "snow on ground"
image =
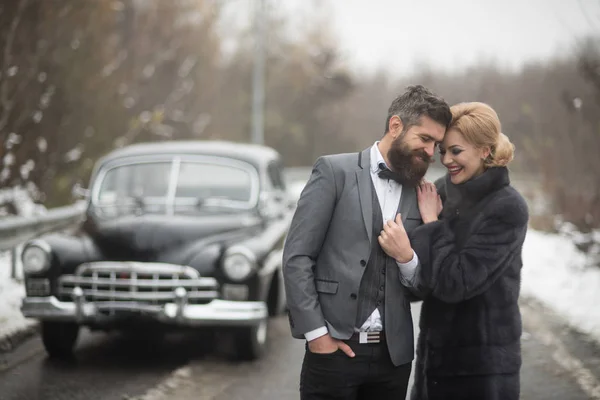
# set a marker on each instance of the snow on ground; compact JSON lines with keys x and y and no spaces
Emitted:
{"x":11,"y":294}
{"x":562,"y":277}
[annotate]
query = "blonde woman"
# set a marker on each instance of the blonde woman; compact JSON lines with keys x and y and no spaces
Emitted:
{"x":470,"y":265}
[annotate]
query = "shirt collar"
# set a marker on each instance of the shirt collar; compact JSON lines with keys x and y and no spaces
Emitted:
{"x":376,"y":158}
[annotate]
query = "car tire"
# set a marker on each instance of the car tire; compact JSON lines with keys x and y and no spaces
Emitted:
{"x":59,"y":338}
{"x":251,"y":342}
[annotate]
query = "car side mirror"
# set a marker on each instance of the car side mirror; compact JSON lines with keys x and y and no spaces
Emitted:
{"x":79,"y":192}
{"x":285,"y":201}
{"x":279,"y":197}
{"x":291,"y":203}
{"x":271,"y":205}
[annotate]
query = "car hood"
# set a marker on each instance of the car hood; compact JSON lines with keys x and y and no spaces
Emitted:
{"x":147,"y":237}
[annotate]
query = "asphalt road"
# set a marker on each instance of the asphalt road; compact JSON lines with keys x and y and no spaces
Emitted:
{"x":105,"y":367}
{"x":558,"y":364}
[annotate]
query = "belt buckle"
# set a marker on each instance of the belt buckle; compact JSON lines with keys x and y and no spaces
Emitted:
{"x":369,"y":337}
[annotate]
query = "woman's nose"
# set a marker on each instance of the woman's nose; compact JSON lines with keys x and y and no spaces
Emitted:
{"x":446,"y":159}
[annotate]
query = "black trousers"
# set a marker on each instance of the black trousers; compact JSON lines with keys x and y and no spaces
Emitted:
{"x":370,"y":374}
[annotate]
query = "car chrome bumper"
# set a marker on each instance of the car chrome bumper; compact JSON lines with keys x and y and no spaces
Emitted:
{"x":216,"y":313}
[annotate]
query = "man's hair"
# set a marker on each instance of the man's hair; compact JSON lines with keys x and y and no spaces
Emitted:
{"x":416,"y":102}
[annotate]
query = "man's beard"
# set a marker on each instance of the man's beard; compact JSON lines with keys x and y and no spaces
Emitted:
{"x":409,"y":165}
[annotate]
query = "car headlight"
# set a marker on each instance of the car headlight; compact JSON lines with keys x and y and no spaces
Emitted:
{"x":36,"y":257}
{"x":239,"y":263}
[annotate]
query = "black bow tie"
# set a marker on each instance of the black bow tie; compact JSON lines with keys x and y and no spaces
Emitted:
{"x":386,"y":173}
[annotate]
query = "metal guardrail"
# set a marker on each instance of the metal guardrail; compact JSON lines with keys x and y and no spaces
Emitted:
{"x":19,"y":229}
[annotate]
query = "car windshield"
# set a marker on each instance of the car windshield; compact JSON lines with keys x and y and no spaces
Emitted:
{"x":175,"y":187}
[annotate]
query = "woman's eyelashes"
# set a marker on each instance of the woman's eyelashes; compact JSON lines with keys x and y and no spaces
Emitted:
{"x":454,"y":151}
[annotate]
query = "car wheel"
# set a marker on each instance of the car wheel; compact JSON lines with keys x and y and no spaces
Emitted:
{"x":59,"y":338}
{"x":251,"y":342}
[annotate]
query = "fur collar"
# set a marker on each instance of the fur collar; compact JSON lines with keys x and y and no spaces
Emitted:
{"x":469,"y":193}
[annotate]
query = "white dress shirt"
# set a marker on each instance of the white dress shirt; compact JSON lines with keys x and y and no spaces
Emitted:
{"x":389,"y":193}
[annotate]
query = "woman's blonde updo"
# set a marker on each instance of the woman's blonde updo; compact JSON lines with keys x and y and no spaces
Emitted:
{"x":479,"y":124}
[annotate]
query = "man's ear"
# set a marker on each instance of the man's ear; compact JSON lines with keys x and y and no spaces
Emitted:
{"x":395,"y":126}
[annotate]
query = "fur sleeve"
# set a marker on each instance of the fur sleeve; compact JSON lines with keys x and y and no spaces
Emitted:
{"x":454,"y":274}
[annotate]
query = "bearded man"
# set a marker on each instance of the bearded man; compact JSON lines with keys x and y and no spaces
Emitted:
{"x":344,"y":292}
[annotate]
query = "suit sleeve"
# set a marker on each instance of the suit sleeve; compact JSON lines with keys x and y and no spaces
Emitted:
{"x":303,"y":244}
{"x":453,"y":274}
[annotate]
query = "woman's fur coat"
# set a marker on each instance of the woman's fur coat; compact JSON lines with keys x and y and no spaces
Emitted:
{"x":470,"y":273}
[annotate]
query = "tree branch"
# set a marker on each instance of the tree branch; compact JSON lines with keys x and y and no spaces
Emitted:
{"x":7,"y":55}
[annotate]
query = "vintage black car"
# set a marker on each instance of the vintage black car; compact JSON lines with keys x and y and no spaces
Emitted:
{"x":176,"y":234}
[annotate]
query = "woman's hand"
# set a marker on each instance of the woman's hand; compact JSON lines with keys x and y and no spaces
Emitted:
{"x":430,"y":202}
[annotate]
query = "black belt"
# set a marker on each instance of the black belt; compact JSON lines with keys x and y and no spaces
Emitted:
{"x":368,"y":337}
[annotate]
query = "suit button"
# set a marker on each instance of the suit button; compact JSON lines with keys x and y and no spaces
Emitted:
{"x":353,"y":296}
{"x":363,"y":263}
{"x":383,"y":271}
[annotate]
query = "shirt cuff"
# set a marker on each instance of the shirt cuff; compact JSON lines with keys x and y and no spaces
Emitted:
{"x":317,"y":333}
{"x":408,"y":269}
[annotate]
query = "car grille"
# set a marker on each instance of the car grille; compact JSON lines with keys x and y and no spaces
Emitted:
{"x":147,"y":283}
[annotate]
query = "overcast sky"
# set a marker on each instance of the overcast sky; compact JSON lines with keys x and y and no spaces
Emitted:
{"x":397,"y":34}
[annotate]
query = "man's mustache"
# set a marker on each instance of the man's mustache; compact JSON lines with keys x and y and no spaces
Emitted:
{"x":424,"y":156}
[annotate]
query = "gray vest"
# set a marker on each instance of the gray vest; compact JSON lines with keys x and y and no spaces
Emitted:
{"x":371,"y":293}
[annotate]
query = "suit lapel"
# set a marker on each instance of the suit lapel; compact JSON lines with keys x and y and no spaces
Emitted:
{"x":408,"y":200}
{"x":363,"y":178}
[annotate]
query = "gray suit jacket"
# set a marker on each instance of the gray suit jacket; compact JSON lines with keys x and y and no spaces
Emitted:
{"x":327,"y":247}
